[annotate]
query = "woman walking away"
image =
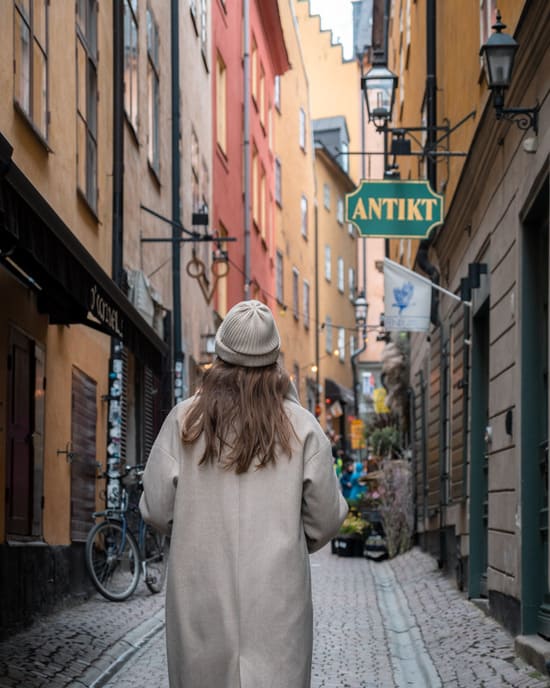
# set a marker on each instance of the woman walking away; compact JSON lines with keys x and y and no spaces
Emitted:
{"x":242,"y":477}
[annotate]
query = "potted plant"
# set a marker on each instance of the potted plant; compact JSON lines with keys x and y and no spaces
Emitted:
{"x":350,"y":539}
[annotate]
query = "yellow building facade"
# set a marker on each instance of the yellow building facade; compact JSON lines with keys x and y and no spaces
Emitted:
{"x":295,"y":216}
{"x":480,"y":447}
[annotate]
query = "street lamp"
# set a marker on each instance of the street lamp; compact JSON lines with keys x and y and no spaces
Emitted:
{"x":498,"y":58}
{"x":379,"y":85}
{"x":361,"y":310}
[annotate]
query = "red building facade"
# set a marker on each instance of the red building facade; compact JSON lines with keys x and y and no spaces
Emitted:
{"x":244,"y":164}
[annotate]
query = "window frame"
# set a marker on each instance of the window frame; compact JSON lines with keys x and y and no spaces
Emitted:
{"x":302,"y":130}
{"x":340,"y":211}
{"x":306,"y":302}
{"x":340,"y":274}
{"x":304,"y":216}
{"x":328,"y":334}
{"x":279,"y":277}
{"x":153,"y":74}
{"x":328,"y":263}
{"x":87,"y":38}
{"x":295,"y":293}
{"x":278,"y":182}
{"x":131,"y":117}
{"x":221,"y":103}
{"x":342,"y":344}
{"x":34,"y":42}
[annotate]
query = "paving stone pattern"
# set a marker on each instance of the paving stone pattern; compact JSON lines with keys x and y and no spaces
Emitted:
{"x":377,"y":625}
{"x":82,"y":641}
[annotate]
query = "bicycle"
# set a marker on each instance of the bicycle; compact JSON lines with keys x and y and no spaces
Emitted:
{"x":114,"y":557}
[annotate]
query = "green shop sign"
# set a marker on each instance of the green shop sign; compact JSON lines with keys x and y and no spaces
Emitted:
{"x":394,"y":209}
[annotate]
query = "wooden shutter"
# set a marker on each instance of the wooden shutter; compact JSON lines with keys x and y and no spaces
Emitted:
{"x":83,"y":465}
{"x":19,"y":436}
{"x":38,"y":439}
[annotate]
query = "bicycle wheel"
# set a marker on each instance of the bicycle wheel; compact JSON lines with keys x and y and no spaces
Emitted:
{"x":112,"y":560}
{"x":156,"y":559}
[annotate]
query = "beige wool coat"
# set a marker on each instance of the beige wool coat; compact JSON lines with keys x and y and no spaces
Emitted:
{"x":238,"y":598}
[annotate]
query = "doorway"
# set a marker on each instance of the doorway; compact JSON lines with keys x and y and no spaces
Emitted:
{"x":479,"y":454}
{"x":535,"y":595}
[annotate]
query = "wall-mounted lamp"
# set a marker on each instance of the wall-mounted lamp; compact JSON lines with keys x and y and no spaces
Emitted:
{"x":379,"y":85}
{"x":498,"y":57}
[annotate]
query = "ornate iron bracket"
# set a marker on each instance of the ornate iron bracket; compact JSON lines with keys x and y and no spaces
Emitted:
{"x":525,"y":118}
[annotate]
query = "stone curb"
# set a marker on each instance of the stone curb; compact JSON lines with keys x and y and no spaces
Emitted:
{"x":114,"y":658}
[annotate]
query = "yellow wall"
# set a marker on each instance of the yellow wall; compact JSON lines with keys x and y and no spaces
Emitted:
{"x":335,"y":88}
{"x":462,"y":87}
{"x":334,"y":304}
{"x":54,"y":175}
{"x":298,"y":342}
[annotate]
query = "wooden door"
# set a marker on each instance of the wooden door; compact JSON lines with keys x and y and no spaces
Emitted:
{"x":19,"y":476}
{"x":83,"y":463}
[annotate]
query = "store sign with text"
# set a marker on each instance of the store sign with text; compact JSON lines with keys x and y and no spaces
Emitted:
{"x":394,"y":209}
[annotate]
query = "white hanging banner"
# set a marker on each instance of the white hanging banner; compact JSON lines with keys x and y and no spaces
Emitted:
{"x":407,"y":299}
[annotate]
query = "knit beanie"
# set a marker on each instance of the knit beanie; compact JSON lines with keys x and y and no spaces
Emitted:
{"x":248,"y":336}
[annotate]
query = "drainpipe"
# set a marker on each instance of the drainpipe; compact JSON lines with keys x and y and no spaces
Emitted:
{"x":118,"y":140}
{"x":424,"y":440}
{"x":422,"y":259}
{"x":246,"y":144}
{"x":177,"y":351}
{"x":116,"y":386}
{"x":316,"y":277}
{"x":361,"y":58}
{"x":412,"y":444}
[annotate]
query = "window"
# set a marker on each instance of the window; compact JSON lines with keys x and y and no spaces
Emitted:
{"x":277,"y":93}
{"x":261,"y":103}
{"x":204,"y":32}
{"x":295,"y":288}
{"x":341,"y":344}
{"x":279,"y":275}
{"x":86,"y":100}
{"x":263,"y":204}
{"x":278,"y":182}
{"x":306,"y":304}
{"x":195,"y":174}
{"x":221,"y":103}
{"x":340,"y":210}
{"x":153,"y":92}
{"x":328,"y":334}
{"x":303,"y":216}
{"x":328,"y":269}
{"x":326,"y":196}
{"x":351,"y":230}
{"x":254,"y":70}
{"x":340,"y":265}
{"x":131,"y":97}
{"x":255,"y":187}
{"x":344,"y":158}
{"x":351,"y":344}
{"x":31,"y":62}
{"x":302,"y":122}
{"x":351,"y":283}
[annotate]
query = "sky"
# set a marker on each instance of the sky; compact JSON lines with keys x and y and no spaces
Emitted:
{"x":336,"y":15}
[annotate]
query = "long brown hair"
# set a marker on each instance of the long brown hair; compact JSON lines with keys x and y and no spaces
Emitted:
{"x":240,"y":412}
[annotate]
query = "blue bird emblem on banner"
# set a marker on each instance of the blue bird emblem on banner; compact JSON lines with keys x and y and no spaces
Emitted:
{"x":403,"y":296}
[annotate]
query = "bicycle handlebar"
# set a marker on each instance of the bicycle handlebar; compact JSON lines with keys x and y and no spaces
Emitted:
{"x":138,"y":468}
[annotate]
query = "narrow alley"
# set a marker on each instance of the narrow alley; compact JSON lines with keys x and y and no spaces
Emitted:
{"x":377,"y":625}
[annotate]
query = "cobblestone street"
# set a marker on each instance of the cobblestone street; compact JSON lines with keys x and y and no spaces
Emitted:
{"x":391,"y":624}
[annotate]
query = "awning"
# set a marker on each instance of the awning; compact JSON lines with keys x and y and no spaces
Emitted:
{"x":336,"y":392}
{"x":71,"y":285}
